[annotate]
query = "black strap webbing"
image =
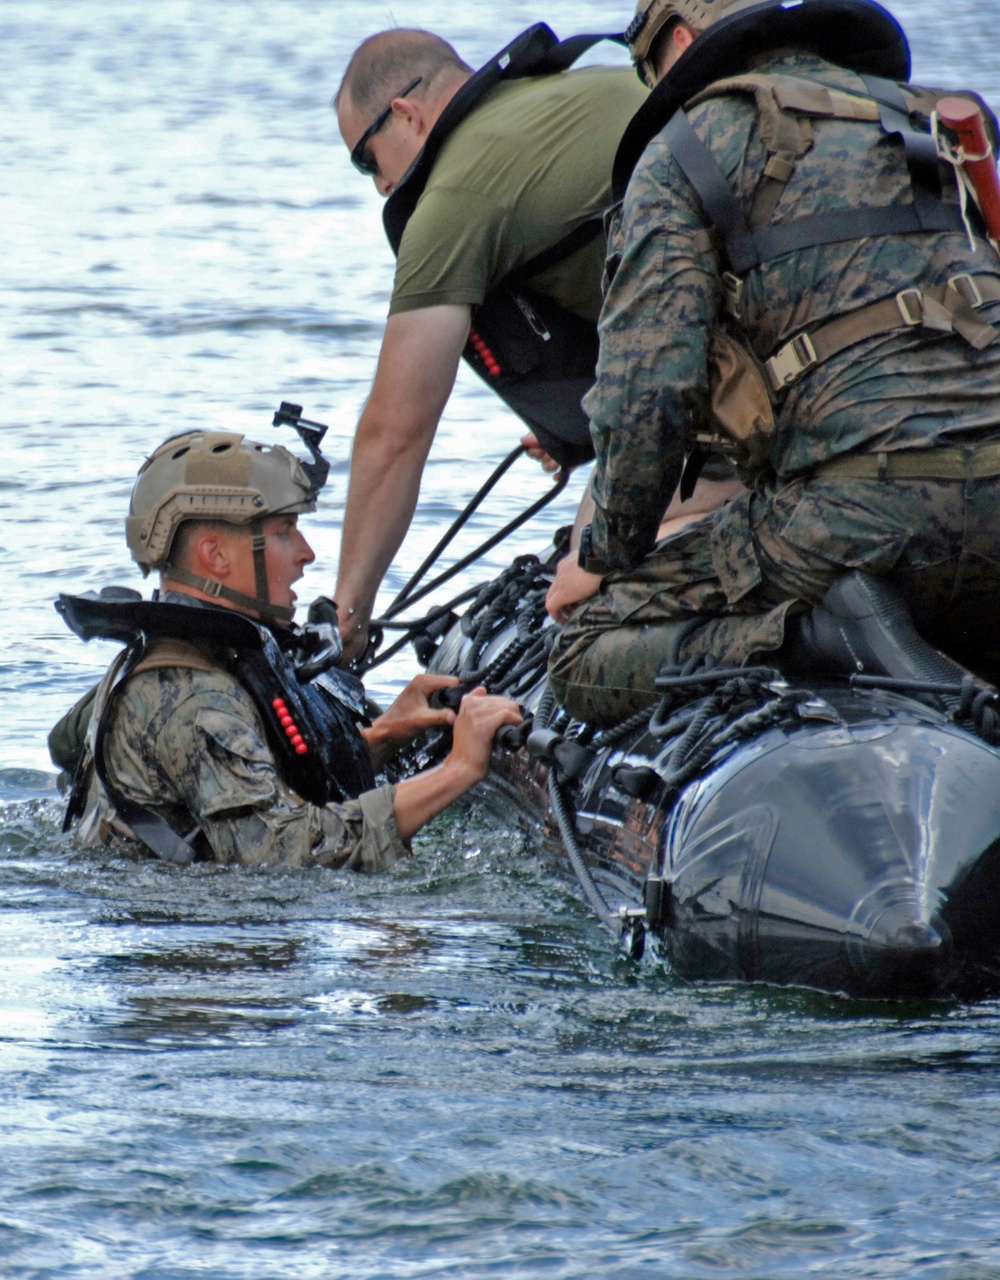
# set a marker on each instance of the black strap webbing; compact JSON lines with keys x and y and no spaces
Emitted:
{"x":556,"y":253}
{"x":724,"y":211}
{"x":746,"y":249}
{"x":150,"y":828}
{"x":147,"y":826}
{"x":852,"y":224}
{"x":921,"y":148}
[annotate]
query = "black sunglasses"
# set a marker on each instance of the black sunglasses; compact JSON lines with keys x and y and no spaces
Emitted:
{"x":359,"y":158}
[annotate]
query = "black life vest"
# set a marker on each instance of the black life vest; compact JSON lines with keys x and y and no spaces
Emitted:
{"x":312,"y":725}
{"x":857,"y":34}
{"x":533,"y":352}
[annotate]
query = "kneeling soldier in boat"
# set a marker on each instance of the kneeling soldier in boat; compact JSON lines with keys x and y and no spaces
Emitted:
{"x":795,"y":212}
{"x":223,"y":730}
{"x":496,"y":182}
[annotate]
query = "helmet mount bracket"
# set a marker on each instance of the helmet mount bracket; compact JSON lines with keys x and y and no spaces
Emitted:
{"x":311,"y":434}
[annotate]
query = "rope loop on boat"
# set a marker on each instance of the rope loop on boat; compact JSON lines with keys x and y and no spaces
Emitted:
{"x":970,"y":704}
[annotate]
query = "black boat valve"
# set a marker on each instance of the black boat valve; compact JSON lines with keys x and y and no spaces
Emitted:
{"x":512,"y":737}
{"x":427,"y":642}
{"x":569,"y":758}
{"x":637,"y":782}
{"x":633,"y":922}
{"x":657,"y":897}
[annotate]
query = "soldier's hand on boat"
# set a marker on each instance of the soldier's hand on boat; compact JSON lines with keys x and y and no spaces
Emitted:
{"x":538,"y":454}
{"x":415,"y":710}
{"x":353,"y":632}
{"x":479,"y":717}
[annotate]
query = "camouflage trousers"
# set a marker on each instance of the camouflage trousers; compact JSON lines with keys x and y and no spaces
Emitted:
{"x":726,"y":584}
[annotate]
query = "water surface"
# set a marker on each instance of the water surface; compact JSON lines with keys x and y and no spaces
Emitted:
{"x":444,"y":1071}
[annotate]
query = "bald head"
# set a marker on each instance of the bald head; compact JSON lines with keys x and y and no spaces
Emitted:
{"x":384,"y":63}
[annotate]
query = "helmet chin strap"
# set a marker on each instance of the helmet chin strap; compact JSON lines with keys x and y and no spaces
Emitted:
{"x":261,"y":602}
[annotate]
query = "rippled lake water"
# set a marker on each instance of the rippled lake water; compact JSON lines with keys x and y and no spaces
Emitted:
{"x":440,"y":1072}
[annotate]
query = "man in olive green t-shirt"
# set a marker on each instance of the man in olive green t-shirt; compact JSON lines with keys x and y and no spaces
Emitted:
{"x":528,"y":164}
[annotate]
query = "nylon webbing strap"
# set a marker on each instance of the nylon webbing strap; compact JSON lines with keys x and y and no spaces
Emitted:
{"x":147,"y":826}
{"x":258,"y":544}
{"x":852,"y":224}
{"x":716,"y":195}
{"x":945,"y":308}
{"x":216,"y":590}
{"x":921,"y":148}
{"x":942,"y":462}
{"x":745,"y":249}
{"x":564,"y":248}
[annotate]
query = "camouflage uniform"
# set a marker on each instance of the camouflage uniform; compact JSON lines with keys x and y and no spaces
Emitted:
{"x":734,"y":576}
{"x":187,"y":742}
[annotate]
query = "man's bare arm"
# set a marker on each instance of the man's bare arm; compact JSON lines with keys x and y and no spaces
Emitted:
{"x":415,"y":374}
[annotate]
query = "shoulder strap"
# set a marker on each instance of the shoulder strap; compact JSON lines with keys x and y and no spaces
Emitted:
{"x":746,"y":248}
{"x":149,"y":827}
{"x":783,"y":108}
{"x":173,"y":653}
{"x":576,"y":239}
{"x":723,"y":210}
{"x":535,"y":52}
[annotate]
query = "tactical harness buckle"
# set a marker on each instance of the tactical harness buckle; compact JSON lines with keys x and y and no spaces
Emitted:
{"x":911,"y":306}
{"x":965,"y":285}
{"x":733,"y":286}
{"x":791,"y":361}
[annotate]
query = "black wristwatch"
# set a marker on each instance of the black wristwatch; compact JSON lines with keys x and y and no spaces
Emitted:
{"x":585,"y":556}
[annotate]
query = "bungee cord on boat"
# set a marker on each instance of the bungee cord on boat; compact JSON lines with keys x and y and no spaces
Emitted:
{"x":409,"y":594}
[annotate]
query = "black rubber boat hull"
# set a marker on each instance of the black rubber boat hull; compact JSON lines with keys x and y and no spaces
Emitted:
{"x":855,"y":851}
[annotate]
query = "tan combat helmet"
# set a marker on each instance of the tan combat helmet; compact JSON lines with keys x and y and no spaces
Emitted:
{"x":651,"y":16}
{"x":855,"y":33}
{"x":215,"y":475}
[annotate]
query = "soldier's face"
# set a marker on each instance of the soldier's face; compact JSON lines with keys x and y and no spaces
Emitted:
{"x":286,"y":554}
{"x":396,"y":144}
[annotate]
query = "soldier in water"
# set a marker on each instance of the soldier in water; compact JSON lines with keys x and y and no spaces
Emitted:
{"x":223,"y":731}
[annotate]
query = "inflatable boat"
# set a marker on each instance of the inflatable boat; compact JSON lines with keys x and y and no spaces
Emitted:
{"x":841,"y":833}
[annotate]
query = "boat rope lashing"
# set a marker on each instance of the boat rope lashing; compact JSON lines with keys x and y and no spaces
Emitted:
{"x":970,"y":704}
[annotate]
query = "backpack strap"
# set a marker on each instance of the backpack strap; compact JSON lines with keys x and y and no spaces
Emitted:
{"x":784,"y":130}
{"x":746,"y":248}
{"x":921,"y":149}
{"x":154,"y":832}
{"x":947,"y":308}
{"x":535,"y":52}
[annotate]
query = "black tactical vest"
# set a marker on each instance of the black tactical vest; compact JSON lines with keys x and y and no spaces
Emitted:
{"x":534,"y":353}
{"x":312,"y":725}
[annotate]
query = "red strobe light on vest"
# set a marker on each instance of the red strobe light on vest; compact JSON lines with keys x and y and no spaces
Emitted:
{"x":290,"y":727}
